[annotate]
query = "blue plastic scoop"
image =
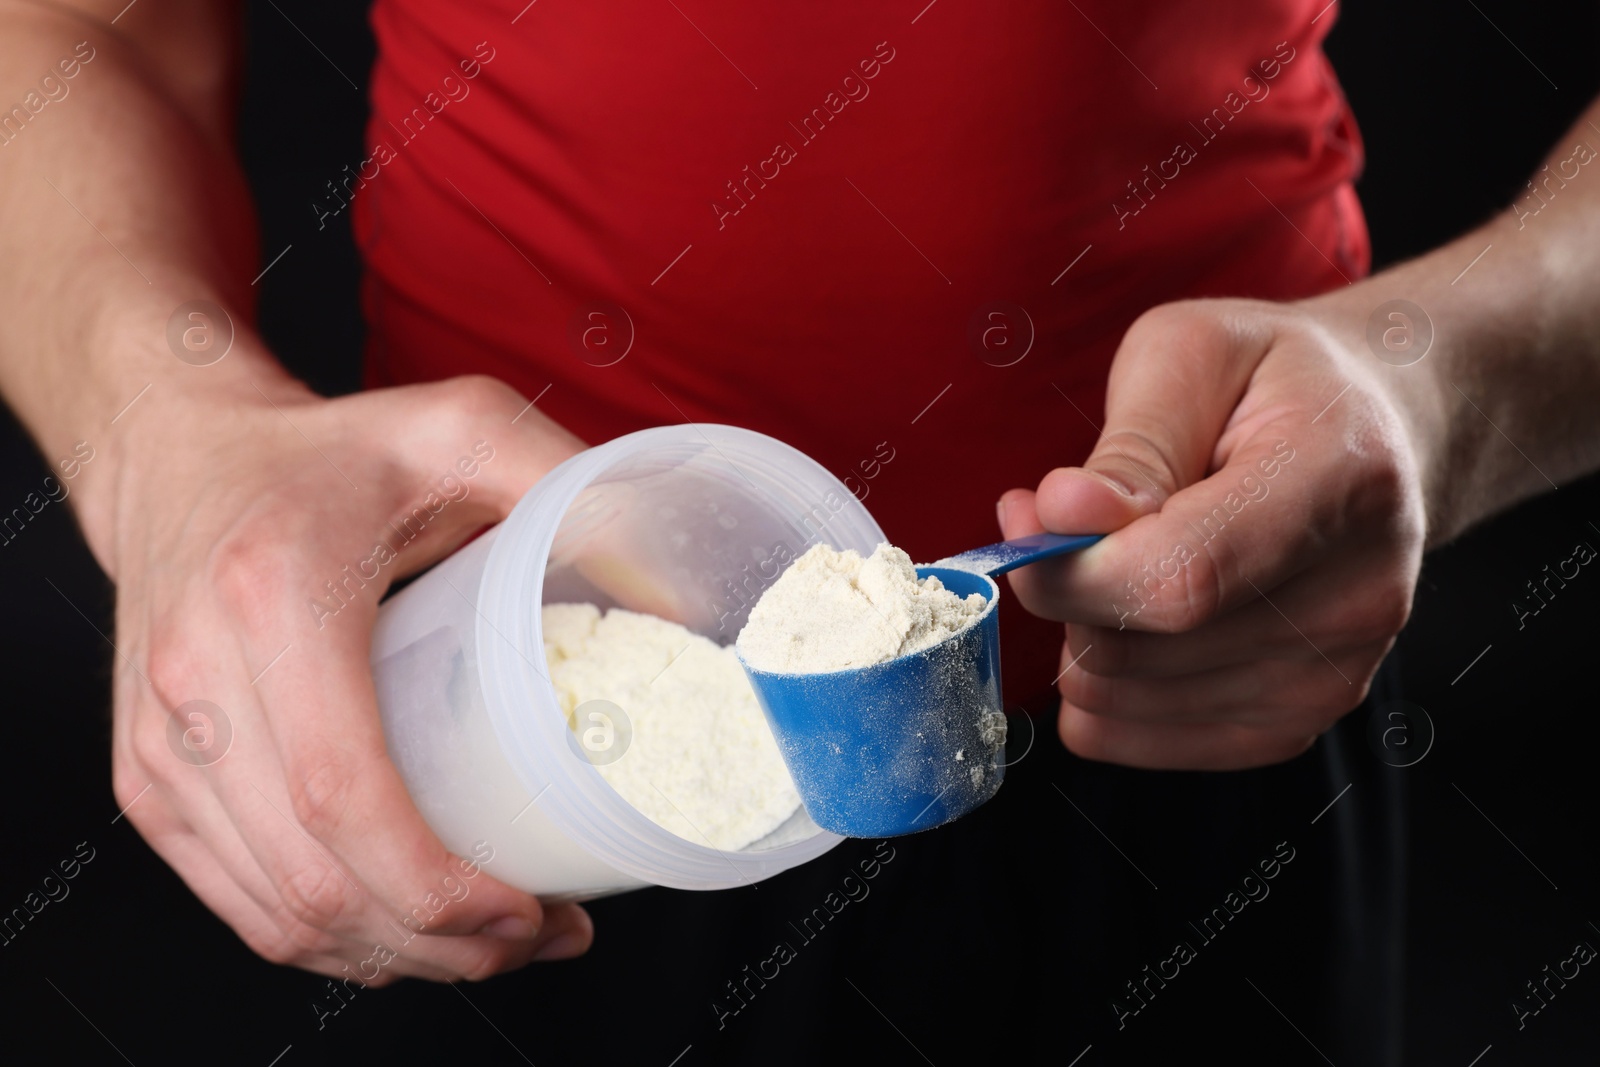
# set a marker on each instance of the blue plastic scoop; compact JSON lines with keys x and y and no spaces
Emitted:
{"x":916,"y":742}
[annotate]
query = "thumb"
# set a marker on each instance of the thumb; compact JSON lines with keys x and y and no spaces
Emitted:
{"x":473,"y":446}
{"x":1175,"y":381}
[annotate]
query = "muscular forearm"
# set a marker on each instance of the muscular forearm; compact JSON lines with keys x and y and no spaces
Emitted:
{"x":226,"y":498}
{"x":1180,"y":649}
{"x":120,"y":200}
{"x":1504,"y":404}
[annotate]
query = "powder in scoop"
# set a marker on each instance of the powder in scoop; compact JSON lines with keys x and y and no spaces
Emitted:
{"x":701,"y":760}
{"x":833,"y":610}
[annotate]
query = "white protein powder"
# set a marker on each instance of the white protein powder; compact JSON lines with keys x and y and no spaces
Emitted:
{"x":833,"y":610}
{"x":702,"y":762}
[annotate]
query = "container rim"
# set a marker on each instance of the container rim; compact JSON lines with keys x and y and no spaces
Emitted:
{"x":531,"y":731}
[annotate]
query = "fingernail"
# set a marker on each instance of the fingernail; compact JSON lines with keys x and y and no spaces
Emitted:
{"x":511,"y":928}
{"x":560,"y":948}
{"x":1000,"y":512}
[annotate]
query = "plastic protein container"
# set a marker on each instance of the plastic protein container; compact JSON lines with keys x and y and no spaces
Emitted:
{"x":691,"y":523}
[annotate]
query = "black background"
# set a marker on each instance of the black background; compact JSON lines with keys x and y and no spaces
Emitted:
{"x":1454,"y":117}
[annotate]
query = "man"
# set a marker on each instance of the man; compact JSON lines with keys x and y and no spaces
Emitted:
{"x":809,"y":227}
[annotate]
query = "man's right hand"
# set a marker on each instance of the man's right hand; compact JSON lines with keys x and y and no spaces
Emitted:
{"x":223,"y":496}
{"x":225,"y":523}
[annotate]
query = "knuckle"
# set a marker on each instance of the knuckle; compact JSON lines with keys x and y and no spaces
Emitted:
{"x":315,"y":895}
{"x":127,"y":787}
{"x":1354,"y":695}
{"x":1394,"y":610}
{"x":1384,"y":483}
{"x":1090,"y":692}
{"x":1186,"y":326}
{"x":1083,"y":735}
{"x":386,"y":976}
{"x":1202,"y":585}
{"x":125,"y":784}
{"x":1380,"y":481}
{"x":148,"y":742}
{"x":1366,"y":673}
{"x":1176,"y":317}
{"x":308,"y":940}
{"x":382,"y":980}
{"x":319,"y":790}
{"x":275,"y":948}
{"x":1380,"y":615}
{"x":472,"y":396}
{"x":172,"y":666}
{"x":1104,"y":652}
{"x":1335,"y":697}
{"x":1146,"y":457}
{"x":455,"y":412}
{"x":248,"y":562}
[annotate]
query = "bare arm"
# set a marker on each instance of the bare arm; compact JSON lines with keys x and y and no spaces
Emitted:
{"x":1271,"y":477}
{"x":1515,"y":362}
{"x":222,"y":495}
{"x":122,"y":199}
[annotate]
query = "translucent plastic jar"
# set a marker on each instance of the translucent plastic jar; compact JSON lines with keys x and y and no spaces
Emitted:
{"x":691,"y":523}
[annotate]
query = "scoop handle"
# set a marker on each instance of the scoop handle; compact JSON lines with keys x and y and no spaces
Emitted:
{"x":994,"y":560}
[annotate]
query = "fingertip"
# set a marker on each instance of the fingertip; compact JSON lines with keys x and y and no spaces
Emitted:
{"x":568,"y":932}
{"x":1016,"y":515}
{"x":487,"y":908}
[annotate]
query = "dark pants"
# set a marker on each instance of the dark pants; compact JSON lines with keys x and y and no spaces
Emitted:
{"x":1144,"y":913}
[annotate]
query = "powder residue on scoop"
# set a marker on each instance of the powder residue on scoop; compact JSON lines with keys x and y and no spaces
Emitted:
{"x":833,"y":610}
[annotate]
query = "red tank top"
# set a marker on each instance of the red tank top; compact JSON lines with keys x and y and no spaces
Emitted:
{"x":903,"y":238}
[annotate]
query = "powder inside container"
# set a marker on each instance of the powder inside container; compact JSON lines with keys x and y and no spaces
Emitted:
{"x":833,"y":610}
{"x":701,"y":761}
